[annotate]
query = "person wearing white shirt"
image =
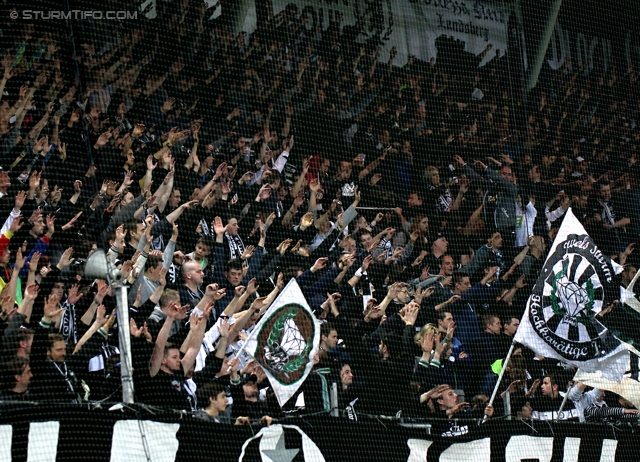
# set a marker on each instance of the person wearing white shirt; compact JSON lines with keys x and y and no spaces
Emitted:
{"x":581,"y":399}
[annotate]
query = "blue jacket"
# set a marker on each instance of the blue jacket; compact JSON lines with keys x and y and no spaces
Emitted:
{"x":466,"y":311}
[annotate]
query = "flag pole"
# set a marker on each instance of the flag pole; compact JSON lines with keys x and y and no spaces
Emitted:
{"x":564,"y":401}
{"x":240,"y":351}
{"x":504,"y":367}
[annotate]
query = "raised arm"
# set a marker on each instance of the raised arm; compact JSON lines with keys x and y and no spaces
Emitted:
{"x":197,"y":335}
{"x":173,"y":311}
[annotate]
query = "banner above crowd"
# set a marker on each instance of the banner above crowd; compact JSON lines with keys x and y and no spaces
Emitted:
{"x":412,"y":26}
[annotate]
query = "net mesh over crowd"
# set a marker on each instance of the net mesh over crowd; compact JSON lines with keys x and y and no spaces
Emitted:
{"x":319,"y":230}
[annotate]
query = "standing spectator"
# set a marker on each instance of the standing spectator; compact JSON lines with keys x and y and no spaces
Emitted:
{"x":499,"y":201}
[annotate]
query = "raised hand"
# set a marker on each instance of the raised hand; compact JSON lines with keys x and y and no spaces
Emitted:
{"x":18,"y":202}
{"x":264,"y":193}
{"x":138,"y":299}
{"x":16,"y":224}
{"x":20,"y":260}
{"x":111,"y":319}
{"x":150,"y":164}
{"x":297,"y":246}
{"x":103,"y":139}
{"x":168,"y":105}
{"x":219,"y":294}
{"x":31,"y":292}
{"x":457,"y":408}
{"x":223,"y":328}
{"x":246,"y":177}
{"x":298,"y":201}
{"x":128,"y":178}
{"x":33,"y":263}
{"x":306,"y":220}
{"x":50,"y":225}
{"x":314,"y":185}
{"x":177,"y":312}
{"x":366,"y":262}
{"x":218,"y":227}
{"x":103,"y":289}
{"x":534,"y":387}
{"x":269,"y":221}
{"x":252,"y":288}
{"x":248,"y":252}
{"x":51,"y":309}
{"x":410,"y":315}
{"x":8,"y":306}
{"x":162,"y":279}
{"x":480,"y":165}
{"x":221,"y":170}
{"x":74,"y":294}
{"x":210,"y":290}
{"x":283,"y":246}
{"x":133,"y":328}
{"x":319,"y":264}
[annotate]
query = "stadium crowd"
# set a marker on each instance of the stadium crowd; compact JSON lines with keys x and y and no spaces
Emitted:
{"x":414,"y":209}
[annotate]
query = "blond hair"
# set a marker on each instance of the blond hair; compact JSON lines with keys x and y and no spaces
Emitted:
{"x":425,"y":329}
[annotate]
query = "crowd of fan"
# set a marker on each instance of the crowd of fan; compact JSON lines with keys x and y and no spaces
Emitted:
{"x":411,"y":207}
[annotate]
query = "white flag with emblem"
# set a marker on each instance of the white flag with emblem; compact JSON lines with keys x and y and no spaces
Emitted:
{"x":284,"y":342}
{"x":561,"y":321}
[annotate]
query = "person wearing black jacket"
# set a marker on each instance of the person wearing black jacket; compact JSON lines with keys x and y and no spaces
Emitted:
{"x":349,"y":393}
{"x":546,"y":405}
{"x":56,"y":377}
{"x":245,"y":391}
{"x":485,"y":351}
{"x":449,"y":407}
{"x":16,"y":376}
{"x":167,"y":370}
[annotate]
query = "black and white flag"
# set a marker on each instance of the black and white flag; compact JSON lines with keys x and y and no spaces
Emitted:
{"x":577,"y":281}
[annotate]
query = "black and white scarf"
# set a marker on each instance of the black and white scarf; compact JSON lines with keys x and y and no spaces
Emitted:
{"x":68,"y":328}
{"x":236,"y":246}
